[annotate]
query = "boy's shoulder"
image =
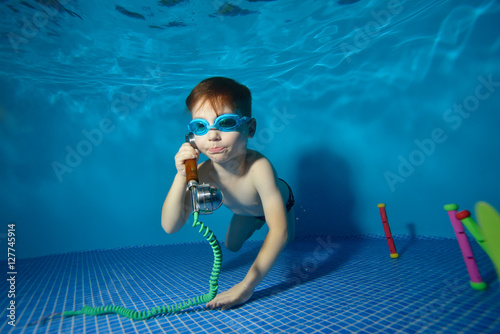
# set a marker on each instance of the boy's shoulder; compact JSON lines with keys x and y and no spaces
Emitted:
{"x":256,"y":159}
{"x":258,"y":162}
{"x":253,"y":156}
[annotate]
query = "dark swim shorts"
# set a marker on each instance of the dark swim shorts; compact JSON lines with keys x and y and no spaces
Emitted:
{"x":289,"y":203}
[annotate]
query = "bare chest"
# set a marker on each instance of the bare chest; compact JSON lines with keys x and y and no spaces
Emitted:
{"x":241,"y":197}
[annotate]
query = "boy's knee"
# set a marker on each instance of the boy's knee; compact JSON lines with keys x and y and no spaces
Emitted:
{"x":233,"y":247}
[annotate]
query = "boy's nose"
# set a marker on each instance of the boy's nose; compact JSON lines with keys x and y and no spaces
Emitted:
{"x":213,"y":134}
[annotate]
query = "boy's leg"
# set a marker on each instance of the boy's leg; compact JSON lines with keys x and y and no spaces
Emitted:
{"x":240,"y":229}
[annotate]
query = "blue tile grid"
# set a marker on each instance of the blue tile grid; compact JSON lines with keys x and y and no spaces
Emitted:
{"x":320,"y":284}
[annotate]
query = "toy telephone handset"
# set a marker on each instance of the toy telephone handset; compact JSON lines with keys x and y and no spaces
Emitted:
{"x":191,"y":170}
{"x":204,"y":198}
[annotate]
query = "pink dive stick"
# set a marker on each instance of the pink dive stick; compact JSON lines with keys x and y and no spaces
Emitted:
{"x":387,"y":230}
{"x":470,"y":262}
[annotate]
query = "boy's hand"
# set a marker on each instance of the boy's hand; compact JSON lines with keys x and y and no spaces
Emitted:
{"x":186,"y":152}
{"x":237,"y":295}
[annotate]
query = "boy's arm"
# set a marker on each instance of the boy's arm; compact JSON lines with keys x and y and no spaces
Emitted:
{"x":274,"y":210}
{"x":177,"y":205}
{"x":175,"y":210}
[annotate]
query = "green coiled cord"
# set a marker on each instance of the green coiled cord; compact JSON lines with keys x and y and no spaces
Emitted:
{"x":167,"y":309}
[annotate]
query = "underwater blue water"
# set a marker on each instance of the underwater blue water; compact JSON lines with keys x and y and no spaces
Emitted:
{"x":357,"y":103}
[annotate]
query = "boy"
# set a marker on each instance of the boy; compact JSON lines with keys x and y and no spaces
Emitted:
{"x":222,"y":124}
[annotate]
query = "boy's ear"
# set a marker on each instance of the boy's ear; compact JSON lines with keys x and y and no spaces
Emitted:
{"x":252,"y":127}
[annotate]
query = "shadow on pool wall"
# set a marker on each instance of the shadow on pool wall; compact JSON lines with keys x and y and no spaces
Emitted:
{"x":324,"y":195}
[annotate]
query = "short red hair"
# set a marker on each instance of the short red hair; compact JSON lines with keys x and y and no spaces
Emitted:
{"x":221,"y":92}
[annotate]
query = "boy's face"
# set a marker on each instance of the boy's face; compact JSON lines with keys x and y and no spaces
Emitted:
{"x":217,"y":145}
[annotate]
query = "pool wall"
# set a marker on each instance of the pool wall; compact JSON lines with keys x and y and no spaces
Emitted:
{"x":92,"y":114}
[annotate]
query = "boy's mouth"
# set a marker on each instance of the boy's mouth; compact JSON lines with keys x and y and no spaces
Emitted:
{"x":216,"y":149}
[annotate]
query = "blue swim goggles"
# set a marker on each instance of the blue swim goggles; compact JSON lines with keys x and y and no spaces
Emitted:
{"x":225,"y":123}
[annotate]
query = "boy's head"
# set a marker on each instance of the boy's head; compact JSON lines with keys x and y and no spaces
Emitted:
{"x":221,"y":92}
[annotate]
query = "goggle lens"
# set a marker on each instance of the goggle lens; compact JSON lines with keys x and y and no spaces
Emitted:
{"x":227,"y":123}
{"x":198,"y":127}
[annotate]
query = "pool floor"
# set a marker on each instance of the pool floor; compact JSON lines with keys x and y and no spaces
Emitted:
{"x":320,"y":284}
